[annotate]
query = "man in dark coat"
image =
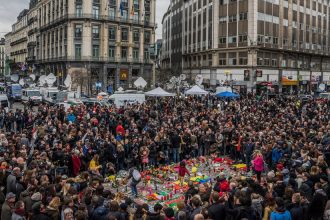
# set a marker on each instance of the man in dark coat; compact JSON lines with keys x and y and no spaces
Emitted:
{"x":319,"y":200}
{"x":7,"y":206}
{"x":217,"y":210}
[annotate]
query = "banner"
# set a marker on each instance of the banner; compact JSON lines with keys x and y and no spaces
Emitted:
{"x":123,"y":75}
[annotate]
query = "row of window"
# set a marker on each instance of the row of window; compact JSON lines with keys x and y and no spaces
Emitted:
{"x":233,"y":39}
{"x":112,"y":31}
{"x":111,"y":52}
{"x":233,"y":18}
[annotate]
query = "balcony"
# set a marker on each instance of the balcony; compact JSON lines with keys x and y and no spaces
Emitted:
{"x":123,"y":60}
{"x":32,"y":44}
{"x":32,"y":31}
{"x":31,"y":59}
{"x":21,"y":40}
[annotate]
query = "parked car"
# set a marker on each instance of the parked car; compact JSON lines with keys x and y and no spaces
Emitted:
{"x":32,"y":94}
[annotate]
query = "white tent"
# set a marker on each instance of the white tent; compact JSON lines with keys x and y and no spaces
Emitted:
{"x":196,"y":90}
{"x":159,"y":92}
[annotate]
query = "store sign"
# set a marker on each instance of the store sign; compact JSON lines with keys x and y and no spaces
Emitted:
{"x":259,"y":73}
{"x":123,"y":74}
{"x":246,"y":75}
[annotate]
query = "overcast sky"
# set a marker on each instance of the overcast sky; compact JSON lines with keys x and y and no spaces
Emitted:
{"x":10,"y":9}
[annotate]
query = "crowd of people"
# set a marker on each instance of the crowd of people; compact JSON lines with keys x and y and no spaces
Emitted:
{"x":54,"y":162}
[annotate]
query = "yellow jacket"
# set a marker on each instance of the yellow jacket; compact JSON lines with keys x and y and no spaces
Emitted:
{"x":93,"y":166}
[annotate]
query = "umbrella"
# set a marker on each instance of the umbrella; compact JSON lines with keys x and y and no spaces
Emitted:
{"x":227,"y":95}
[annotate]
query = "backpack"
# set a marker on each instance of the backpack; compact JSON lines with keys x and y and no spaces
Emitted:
{"x":136,"y":175}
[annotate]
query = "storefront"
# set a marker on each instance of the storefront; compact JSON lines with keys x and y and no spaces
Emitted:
{"x":326,"y":80}
{"x":289,"y":82}
{"x":304,"y":81}
{"x":267,"y":82}
{"x":315,"y":81}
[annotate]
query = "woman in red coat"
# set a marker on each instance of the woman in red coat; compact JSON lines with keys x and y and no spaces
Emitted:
{"x":76,"y":163}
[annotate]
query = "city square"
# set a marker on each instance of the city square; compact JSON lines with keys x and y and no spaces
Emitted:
{"x":165,"y":110}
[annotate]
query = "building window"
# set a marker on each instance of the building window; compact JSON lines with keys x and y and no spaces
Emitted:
{"x":96,"y":51}
{"x":136,"y":35}
{"x":243,"y":16}
{"x":124,"y":52}
{"x":136,"y":53}
{"x":146,"y":37}
{"x":112,"y":33}
{"x":96,"y":32}
{"x":78,"y":31}
{"x":232,"y":40}
{"x":112,"y":13}
{"x":242,"y":38}
{"x":232,"y":61}
{"x":112,"y":52}
{"x":78,"y":50}
{"x":146,"y":54}
{"x":222,"y":40}
{"x":124,"y":16}
{"x":79,"y":10}
{"x":124,"y":34}
{"x":96,"y":11}
{"x":274,"y":62}
{"x":232,"y":18}
{"x":136,"y":4}
{"x":136,"y":16}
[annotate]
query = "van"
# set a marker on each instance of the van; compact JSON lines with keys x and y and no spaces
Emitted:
{"x":94,"y":102}
{"x":4,"y":102}
{"x":49,"y":94}
{"x":14,"y":92}
{"x":122,"y":99}
{"x":325,"y":95}
{"x":32,"y":94}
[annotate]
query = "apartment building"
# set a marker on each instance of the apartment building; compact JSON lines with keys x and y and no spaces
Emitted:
{"x":96,"y":41}
{"x":17,"y":39}
{"x":252,"y":43}
{"x":2,"y":57}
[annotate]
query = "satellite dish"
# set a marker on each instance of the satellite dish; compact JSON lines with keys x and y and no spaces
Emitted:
{"x":21,"y":82}
{"x":28,"y":81}
{"x":173,"y":79}
{"x":169,"y":85}
{"x":14,"y":78}
{"x":199,"y":79}
{"x":68,"y":81}
{"x":42,"y":80}
{"x":140,"y":83}
{"x":33,"y":77}
{"x":120,"y":89}
{"x":322,"y":87}
{"x":183,"y":77}
{"x":50,"y":79}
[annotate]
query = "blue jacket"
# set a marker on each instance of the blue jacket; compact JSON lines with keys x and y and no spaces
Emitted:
{"x":71,"y":118}
{"x":280,"y":216}
{"x":276,"y":154}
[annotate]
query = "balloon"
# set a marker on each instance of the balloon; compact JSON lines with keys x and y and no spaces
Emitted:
{"x":194,"y":169}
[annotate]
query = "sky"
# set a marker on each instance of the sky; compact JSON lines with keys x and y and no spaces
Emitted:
{"x":9,"y":11}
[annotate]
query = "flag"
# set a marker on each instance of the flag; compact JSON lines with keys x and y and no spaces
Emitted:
{"x":121,"y":8}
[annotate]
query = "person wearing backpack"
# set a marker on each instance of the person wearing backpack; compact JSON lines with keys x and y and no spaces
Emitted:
{"x":135,"y":177}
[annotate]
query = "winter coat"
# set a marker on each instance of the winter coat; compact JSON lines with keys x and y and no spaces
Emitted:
{"x":296,"y":211}
{"x":5,"y":212}
{"x":11,"y":183}
{"x":258,"y":164}
{"x":17,"y":217}
{"x":317,"y":205}
{"x":280,"y":216}
{"x":217,"y":211}
{"x":54,"y":214}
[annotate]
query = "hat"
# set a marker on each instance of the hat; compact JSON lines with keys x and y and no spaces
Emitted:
{"x":10,"y":195}
{"x":36,"y":196}
{"x":271,"y":174}
{"x":123,"y":206}
{"x":285,"y":171}
{"x":169,"y":212}
{"x":36,"y":206}
{"x":64,"y":177}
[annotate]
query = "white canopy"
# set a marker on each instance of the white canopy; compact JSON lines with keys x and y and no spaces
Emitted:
{"x":159,"y":92}
{"x":196,"y":90}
